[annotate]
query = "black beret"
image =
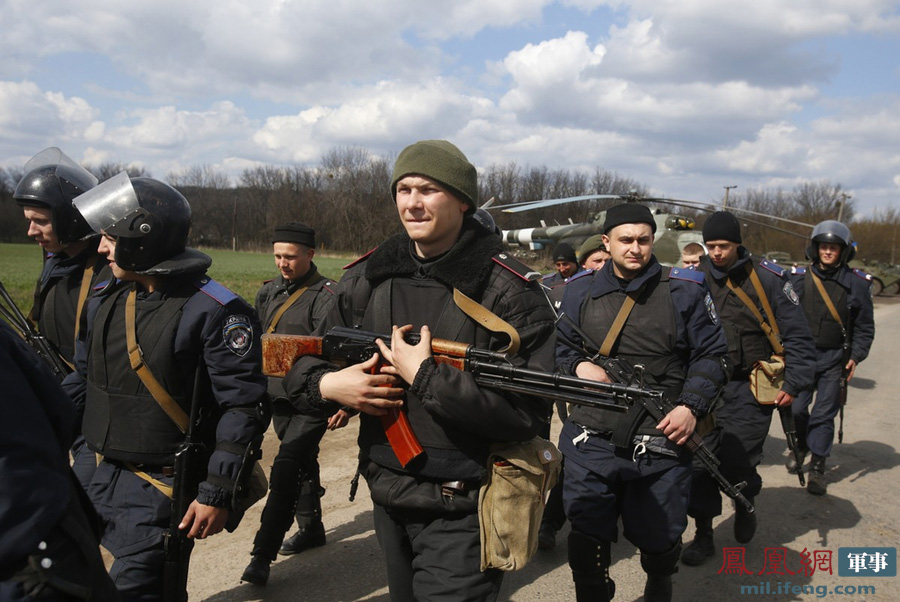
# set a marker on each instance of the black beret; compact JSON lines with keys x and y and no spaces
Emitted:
{"x":628,"y":213}
{"x":564,"y":252}
{"x":722,"y":225}
{"x":295,"y":232}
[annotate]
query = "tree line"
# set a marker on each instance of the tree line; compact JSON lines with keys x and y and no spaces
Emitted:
{"x":347,"y":200}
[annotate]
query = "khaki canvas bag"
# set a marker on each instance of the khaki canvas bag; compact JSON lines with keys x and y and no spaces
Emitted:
{"x":511,"y":502}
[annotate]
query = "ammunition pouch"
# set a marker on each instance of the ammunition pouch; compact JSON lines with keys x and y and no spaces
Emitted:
{"x":511,"y":502}
{"x":767,"y":379}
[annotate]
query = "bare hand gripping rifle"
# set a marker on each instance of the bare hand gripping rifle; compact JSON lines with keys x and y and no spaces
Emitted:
{"x":37,"y":341}
{"x":492,"y":370}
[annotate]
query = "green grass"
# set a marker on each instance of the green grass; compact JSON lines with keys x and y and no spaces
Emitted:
{"x":243,"y":272}
{"x":20,"y":267}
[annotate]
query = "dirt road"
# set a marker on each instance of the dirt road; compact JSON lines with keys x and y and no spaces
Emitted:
{"x":860,"y":510}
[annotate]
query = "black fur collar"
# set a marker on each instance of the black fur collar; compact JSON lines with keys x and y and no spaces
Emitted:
{"x":465,"y":266}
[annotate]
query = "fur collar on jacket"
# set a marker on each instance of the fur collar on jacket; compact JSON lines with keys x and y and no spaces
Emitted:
{"x":466,"y":266}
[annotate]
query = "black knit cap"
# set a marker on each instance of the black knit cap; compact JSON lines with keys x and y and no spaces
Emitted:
{"x":295,"y":232}
{"x":564,"y":252}
{"x":441,"y":161}
{"x":722,"y":225}
{"x":628,"y":213}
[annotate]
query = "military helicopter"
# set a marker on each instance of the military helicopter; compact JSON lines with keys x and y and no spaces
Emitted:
{"x":673,"y":231}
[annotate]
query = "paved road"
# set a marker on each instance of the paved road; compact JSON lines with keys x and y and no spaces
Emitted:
{"x":860,"y":510}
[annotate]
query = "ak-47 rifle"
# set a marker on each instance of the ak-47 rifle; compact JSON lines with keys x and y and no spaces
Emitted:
{"x":188,"y":468}
{"x":37,"y":341}
{"x":492,"y":370}
{"x":842,"y":392}
{"x":619,"y":371}
{"x":790,"y":434}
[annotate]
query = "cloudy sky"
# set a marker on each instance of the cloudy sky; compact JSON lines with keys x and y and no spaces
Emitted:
{"x":686,"y":96}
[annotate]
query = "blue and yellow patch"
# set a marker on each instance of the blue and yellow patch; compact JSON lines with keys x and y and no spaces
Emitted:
{"x":238,"y":334}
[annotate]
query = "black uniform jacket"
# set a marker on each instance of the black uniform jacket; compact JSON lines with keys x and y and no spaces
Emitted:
{"x":209,"y":326}
{"x":851,"y":292}
{"x":454,"y":418}
{"x":302,"y":317}
{"x":57,"y":291}
{"x":747,"y":343}
{"x":673,"y":330}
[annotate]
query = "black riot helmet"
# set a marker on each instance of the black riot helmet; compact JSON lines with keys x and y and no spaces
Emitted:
{"x":51,"y":181}
{"x":831,"y":231}
{"x":486,"y":220}
{"x":150,"y":221}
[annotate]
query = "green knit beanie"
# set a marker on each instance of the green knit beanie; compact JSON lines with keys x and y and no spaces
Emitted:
{"x":442,"y":162}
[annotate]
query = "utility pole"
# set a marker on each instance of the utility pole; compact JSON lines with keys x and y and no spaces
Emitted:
{"x":725,"y":202}
{"x":841,"y":203}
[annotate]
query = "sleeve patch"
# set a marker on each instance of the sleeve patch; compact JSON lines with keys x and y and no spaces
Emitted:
{"x":238,"y":334}
{"x":711,"y":309}
{"x":790,"y":293}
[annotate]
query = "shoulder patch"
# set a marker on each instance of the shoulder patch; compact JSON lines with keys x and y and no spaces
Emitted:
{"x":516,"y":267}
{"x":101,"y":285}
{"x":359,"y":259}
{"x":863,"y":274}
{"x":790,"y":293}
{"x":213,"y":289}
{"x":711,"y":308}
{"x":238,"y":334}
{"x":268,"y":281}
{"x":772,"y":267}
{"x":798,"y":270}
{"x":687,"y":274}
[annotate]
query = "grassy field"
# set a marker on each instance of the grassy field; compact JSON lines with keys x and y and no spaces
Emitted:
{"x":242,"y":272}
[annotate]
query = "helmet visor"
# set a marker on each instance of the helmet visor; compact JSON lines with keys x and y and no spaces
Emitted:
{"x":66,"y":168}
{"x":113,"y":208}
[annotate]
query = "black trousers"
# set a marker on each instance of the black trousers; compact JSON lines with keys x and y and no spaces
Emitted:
{"x":294,"y":487}
{"x":436,"y":560}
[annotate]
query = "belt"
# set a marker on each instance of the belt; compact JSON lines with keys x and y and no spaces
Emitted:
{"x":451,"y":488}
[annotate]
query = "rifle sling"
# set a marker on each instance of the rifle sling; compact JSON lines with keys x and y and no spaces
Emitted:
{"x":136,"y":357}
{"x":284,"y":307}
{"x":622,"y":435}
{"x":166,"y":490}
{"x":488,"y":319}
{"x":83,"y":291}
{"x":771,"y":332}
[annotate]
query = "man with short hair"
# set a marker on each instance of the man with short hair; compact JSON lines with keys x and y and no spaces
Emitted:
{"x":735,"y":278}
{"x":691,"y":254}
{"x":169,"y":358}
{"x":592,"y":253}
{"x":425,"y":508}
{"x":629,"y":465}
{"x":828,"y":287}
{"x":293,"y":303}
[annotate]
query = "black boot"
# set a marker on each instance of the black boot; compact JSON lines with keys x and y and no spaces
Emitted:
{"x":659,"y":569}
{"x":546,"y":536}
{"x":817,"y":484}
{"x":744,"y":523}
{"x":589,"y":560}
{"x":703,"y":547}
{"x":306,"y":538}
{"x":257,"y":572}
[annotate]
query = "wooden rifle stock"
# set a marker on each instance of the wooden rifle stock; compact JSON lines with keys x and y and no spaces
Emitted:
{"x":280,"y":352}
